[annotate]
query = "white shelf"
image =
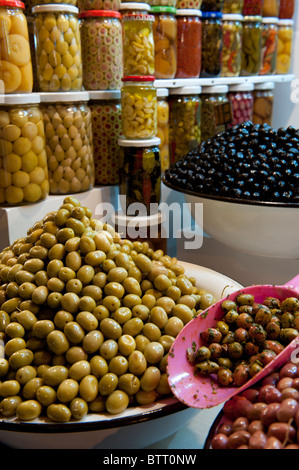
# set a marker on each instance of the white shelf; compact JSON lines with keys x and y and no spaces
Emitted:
{"x":180,"y":82}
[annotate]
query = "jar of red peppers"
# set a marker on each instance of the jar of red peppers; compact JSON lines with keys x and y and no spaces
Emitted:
{"x":211,"y":56}
{"x":251,"y":45}
{"x":269,"y":45}
{"x":165,"y":40}
{"x":241,"y":99}
{"x":263,"y":96}
{"x":189,"y":31}
{"x":286,"y":9}
{"x":271,"y":8}
{"x":253,"y":7}
{"x":233,"y":6}
{"x":232,"y":45}
{"x":212,"y":5}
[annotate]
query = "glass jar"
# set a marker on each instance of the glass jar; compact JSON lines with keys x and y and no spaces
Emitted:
{"x":189,"y":31}
{"x":138,"y":40}
{"x":102,"y":49}
{"x":216,"y":113}
{"x":33,"y":3}
{"x":32,"y":52}
{"x":184,"y":121}
{"x":68,"y":134}
{"x":253,"y":7}
{"x":165,"y":41}
{"x":211,"y":48}
{"x":140,"y":173}
{"x":271,"y":8}
{"x":263,"y":101}
{"x":139,"y":107}
{"x":232,"y":45}
{"x":241,"y":99}
{"x":16,"y":74}
{"x":163,"y":126}
{"x":193,"y":4}
{"x":269,"y":45}
{"x":58,"y":48}
{"x":286,"y":9}
{"x":106,"y":130}
{"x":86,"y":5}
{"x":164,"y":3}
{"x":23,"y":159}
{"x":212,"y":5}
{"x":284,"y":46}
{"x":233,"y":6}
{"x":251,"y":45}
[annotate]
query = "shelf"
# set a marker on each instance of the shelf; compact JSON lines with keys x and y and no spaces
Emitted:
{"x":181,"y":82}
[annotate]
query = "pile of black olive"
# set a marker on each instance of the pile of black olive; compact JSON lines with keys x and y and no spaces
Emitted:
{"x":249,"y":161}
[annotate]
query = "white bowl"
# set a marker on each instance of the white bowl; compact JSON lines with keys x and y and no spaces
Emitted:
{"x":136,"y":427}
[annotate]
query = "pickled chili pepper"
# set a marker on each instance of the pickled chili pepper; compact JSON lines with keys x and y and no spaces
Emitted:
{"x":251,"y":45}
{"x":269,"y":46}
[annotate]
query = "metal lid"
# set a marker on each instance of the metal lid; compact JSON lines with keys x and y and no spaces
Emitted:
{"x":188,"y":12}
{"x":212,"y":14}
{"x":232,"y":17}
{"x":162,"y":92}
{"x":163,"y":9}
{"x":155,"y":141}
{"x":139,"y":78}
{"x":55,"y":8}
{"x":12,"y":3}
{"x":134,"y":6}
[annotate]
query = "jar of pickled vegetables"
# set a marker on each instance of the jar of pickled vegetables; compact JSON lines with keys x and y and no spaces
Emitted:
{"x":189,"y":31}
{"x":140,"y":173}
{"x":58,"y":47}
{"x":263,"y":101}
{"x":163,"y":126}
{"x":138,"y":39}
{"x":16,"y":74}
{"x":211,"y":55}
{"x":284,"y":46}
{"x":241,"y":99}
{"x":184,"y":121}
{"x":233,"y":6}
{"x":193,"y":4}
{"x":253,"y":7}
{"x":271,"y":8}
{"x":106,"y":129}
{"x":165,"y":41}
{"x":212,"y":5}
{"x":85,"y":5}
{"x":139,"y":107}
{"x":286,"y":9}
{"x":68,"y":135}
{"x":216,"y":113}
{"x":23,"y":159}
{"x":269,"y":45}
{"x":251,"y":45}
{"x":232,"y":45}
{"x":102,"y":49}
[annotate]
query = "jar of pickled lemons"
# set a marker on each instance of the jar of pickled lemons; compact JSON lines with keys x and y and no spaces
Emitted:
{"x":58,"y":47}
{"x":16,"y":74}
{"x":165,"y":40}
{"x":263,"y":102}
{"x":163,"y":126}
{"x":68,"y":136}
{"x":284,"y":46}
{"x":271,"y":8}
{"x":23,"y":158}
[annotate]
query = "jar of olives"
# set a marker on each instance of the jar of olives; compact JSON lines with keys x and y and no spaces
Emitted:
{"x":233,"y":7}
{"x":263,"y":101}
{"x":271,"y":8}
{"x":140,"y":173}
{"x":253,"y":7}
{"x":86,"y":5}
{"x":23,"y":158}
{"x":165,"y":41}
{"x":251,"y":45}
{"x":139,"y":107}
{"x":16,"y":74}
{"x":193,"y":4}
{"x":102,"y":49}
{"x":163,"y":126}
{"x":164,"y":3}
{"x":216,"y":113}
{"x":68,"y":135}
{"x":58,"y":48}
{"x":232,"y":45}
{"x":212,"y":38}
{"x":269,"y":45}
{"x":106,"y":129}
{"x":284,"y":46}
{"x":184,"y":121}
{"x":212,"y":5}
{"x":189,"y":32}
{"x":241,"y":99}
{"x":286,"y":9}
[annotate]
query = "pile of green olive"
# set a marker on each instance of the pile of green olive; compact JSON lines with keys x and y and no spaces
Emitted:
{"x":87,"y":318}
{"x":249,"y":337}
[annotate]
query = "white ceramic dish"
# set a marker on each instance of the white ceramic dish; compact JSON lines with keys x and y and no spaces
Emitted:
{"x":135,"y":428}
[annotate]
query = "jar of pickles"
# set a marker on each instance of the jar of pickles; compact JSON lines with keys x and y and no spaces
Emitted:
{"x":284,"y":46}
{"x":163,"y":126}
{"x":263,"y":101}
{"x":23,"y":159}
{"x":269,"y":45}
{"x":233,"y":7}
{"x":138,"y":39}
{"x":241,"y":99}
{"x":68,"y":135}
{"x":212,"y":5}
{"x":139,"y":107}
{"x":286,"y":9}
{"x":140,"y":173}
{"x":216,"y":113}
{"x":253,"y":7}
{"x":16,"y":74}
{"x":251,"y":45}
{"x":58,"y":48}
{"x":102,"y":49}
{"x":85,"y":5}
{"x":106,"y":129}
{"x":271,"y":8}
{"x":193,"y":4}
{"x":189,"y":32}
{"x":232,"y":45}
{"x":165,"y":41}
{"x":211,"y":56}
{"x":184,"y":121}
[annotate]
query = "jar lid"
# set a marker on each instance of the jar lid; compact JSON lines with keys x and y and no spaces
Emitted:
{"x":65,"y":97}
{"x":163,"y":9}
{"x":242,"y":87}
{"x":264,"y":86}
{"x":104,"y":94}
{"x":162,"y":92}
{"x":12,"y":3}
{"x":55,"y":8}
{"x":24,"y":98}
{"x":232,"y":17}
{"x":270,"y":19}
{"x":186,"y":90}
{"x":139,"y":78}
{"x":188,"y":12}
{"x":139,"y":143}
{"x":215,"y":89}
{"x":285,"y":22}
{"x":253,"y":19}
{"x":120,"y":218}
{"x":211,"y":14}
{"x":134,"y":6}
{"x":105,"y":13}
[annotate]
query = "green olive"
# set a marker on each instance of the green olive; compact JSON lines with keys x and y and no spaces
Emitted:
{"x":9,"y":388}
{"x":59,"y":412}
{"x":108,"y":383}
{"x":28,"y":410}
{"x":46,"y":395}
{"x":98,"y":366}
{"x":54,"y":375}
{"x":92,"y":341}
{"x":9,"y":405}
{"x":117,"y":402}
{"x":21,"y":358}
